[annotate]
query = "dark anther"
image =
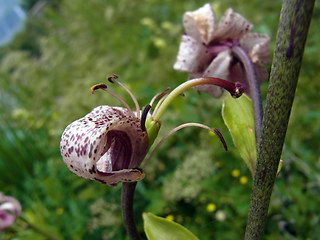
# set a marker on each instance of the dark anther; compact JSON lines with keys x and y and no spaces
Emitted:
{"x":238,"y":90}
{"x":112,"y":77}
{"x":144,"y":117}
{"x":98,"y":86}
{"x":163,"y":93}
{"x":219,"y":135}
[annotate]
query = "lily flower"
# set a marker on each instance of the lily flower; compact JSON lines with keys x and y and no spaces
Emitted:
{"x":109,"y":143}
{"x":208,"y":49}
{"x":10,"y":209}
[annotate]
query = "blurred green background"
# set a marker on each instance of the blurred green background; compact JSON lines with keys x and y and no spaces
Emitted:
{"x":68,"y":46}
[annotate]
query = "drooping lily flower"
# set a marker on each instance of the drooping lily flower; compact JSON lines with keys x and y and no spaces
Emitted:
{"x":10,"y":209}
{"x":208,"y":49}
{"x":109,"y":143}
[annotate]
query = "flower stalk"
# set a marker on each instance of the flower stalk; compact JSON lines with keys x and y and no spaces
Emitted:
{"x":291,"y":37}
{"x":153,"y":123}
{"x":235,"y":90}
{"x":127,"y":195}
{"x":254,"y":88}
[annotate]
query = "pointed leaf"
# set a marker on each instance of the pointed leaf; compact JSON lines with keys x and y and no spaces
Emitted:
{"x":238,"y":116}
{"x":158,"y":228}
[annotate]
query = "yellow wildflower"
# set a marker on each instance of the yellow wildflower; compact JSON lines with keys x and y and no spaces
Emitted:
{"x":170,"y":217}
{"x":235,"y":173}
{"x":211,"y":207}
{"x":243,"y":180}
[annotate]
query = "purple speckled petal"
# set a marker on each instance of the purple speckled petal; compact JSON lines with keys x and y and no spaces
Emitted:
{"x":107,"y":145}
{"x":193,"y":56}
{"x":257,"y":45}
{"x":200,"y":23}
{"x":261,"y":72}
{"x":232,"y":26}
{"x":218,"y":68}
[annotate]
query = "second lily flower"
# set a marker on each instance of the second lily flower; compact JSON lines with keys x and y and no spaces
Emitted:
{"x":206,"y":48}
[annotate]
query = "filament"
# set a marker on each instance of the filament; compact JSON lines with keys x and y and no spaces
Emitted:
{"x":104,"y":88}
{"x":159,"y":95}
{"x":215,"y":131}
{"x":159,"y":103}
{"x":113,"y":78}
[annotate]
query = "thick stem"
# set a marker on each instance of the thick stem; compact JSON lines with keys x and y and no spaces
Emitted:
{"x":290,"y":42}
{"x":127,"y":195}
{"x":253,"y":82}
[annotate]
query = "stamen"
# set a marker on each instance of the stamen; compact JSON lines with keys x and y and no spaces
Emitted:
{"x":161,"y":100}
{"x":215,"y":131}
{"x":159,"y":95}
{"x":221,"y":138}
{"x":113,"y":79}
{"x":144,"y":117}
{"x":238,"y":90}
{"x":159,"y":104}
{"x":104,"y":88}
{"x":98,"y":86}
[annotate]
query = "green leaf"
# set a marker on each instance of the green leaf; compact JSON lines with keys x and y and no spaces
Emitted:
{"x":238,"y":116}
{"x":158,"y":228}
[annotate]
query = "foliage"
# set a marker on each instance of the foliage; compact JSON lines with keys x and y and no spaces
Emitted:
{"x":158,"y":228}
{"x":238,"y":116}
{"x":45,"y":76}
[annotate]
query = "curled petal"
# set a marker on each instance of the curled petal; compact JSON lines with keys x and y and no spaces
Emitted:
{"x":10,"y":209}
{"x":200,"y":23}
{"x":257,"y":45}
{"x":192,"y":56}
{"x":232,"y":26}
{"x":218,"y":68}
{"x":107,"y":145}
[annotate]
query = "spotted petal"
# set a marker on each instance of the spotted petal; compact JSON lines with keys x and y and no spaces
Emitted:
{"x":218,"y":68}
{"x":200,"y":23}
{"x":257,"y":45}
{"x":192,"y":56}
{"x":107,"y":145}
{"x":232,"y":26}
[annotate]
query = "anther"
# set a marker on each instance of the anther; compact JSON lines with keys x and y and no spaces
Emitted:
{"x":112,"y":77}
{"x":221,"y":138}
{"x":238,"y":91}
{"x":144,"y":117}
{"x":98,"y":86}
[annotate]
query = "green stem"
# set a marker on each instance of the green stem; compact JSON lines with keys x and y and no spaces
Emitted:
{"x":291,"y":37}
{"x":127,"y":195}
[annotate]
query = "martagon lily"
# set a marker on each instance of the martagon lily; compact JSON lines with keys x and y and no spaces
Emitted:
{"x":208,"y":49}
{"x":109,"y":143}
